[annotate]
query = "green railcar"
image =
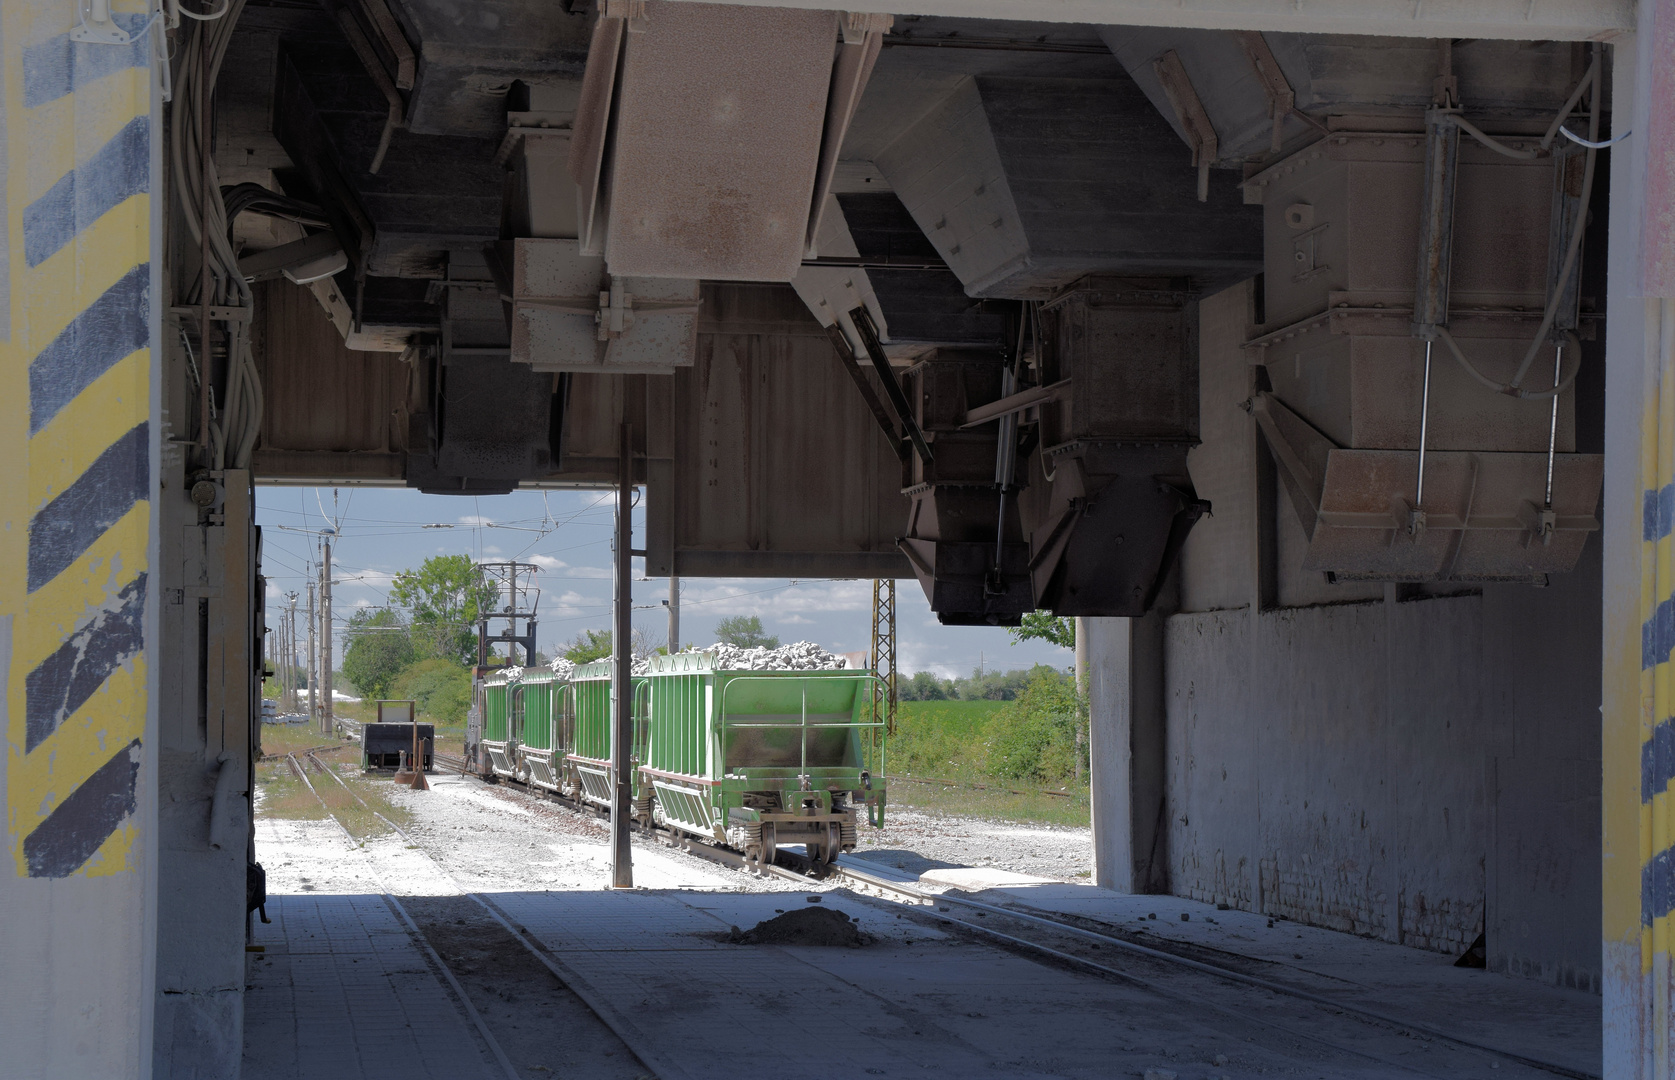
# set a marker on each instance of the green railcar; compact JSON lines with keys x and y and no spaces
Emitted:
{"x":754,"y":759}
{"x":523,"y":725}
{"x":588,"y":756}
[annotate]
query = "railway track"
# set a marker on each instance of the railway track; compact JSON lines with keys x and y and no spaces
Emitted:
{"x":657,"y":1064}
{"x":1040,"y":936}
{"x":963,"y":914}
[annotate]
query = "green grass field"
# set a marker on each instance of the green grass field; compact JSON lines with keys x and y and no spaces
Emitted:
{"x":949,"y":740}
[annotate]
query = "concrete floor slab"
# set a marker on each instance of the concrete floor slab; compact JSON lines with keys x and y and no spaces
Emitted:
{"x":924,"y":997}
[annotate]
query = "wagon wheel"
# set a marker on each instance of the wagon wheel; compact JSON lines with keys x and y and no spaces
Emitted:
{"x":769,"y":847}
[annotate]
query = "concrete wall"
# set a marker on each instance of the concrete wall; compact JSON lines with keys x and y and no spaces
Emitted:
{"x":1417,"y":765}
{"x":79,"y":432}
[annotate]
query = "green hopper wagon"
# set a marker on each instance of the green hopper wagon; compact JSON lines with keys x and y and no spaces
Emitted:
{"x":754,"y":759}
{"x":588,"y":754}
{"x":521,"y":736}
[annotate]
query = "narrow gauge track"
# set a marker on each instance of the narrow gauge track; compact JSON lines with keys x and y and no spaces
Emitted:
{"x":935,"y":906}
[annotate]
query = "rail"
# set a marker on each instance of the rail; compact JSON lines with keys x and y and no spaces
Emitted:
{"x":937,"y":906}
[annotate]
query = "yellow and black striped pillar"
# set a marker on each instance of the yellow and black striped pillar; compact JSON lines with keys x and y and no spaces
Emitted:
{"x":78,"y":437}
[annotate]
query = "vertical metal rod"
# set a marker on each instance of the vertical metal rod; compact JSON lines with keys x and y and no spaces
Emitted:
{"x":1424,"y":424}
{"x":1553,"y":425}
{"x":622,"y":681}
{"x":205,"y":364}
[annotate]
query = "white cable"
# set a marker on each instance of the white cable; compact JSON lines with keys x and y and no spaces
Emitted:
{"x":226,"y":5}
{"x":1580,"y":141}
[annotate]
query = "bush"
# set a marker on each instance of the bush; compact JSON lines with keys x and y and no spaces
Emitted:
{"x":1036,"y":738}
{"x":441,"y":688}
{"x":924,"y":686}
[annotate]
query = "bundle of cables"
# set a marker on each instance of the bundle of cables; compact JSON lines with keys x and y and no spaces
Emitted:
{"x":236,"y":415}
{"x":257,"y":199}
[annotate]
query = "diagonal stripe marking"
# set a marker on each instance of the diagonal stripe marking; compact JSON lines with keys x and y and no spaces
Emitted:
{"x":120,"y":169}
{"x":58,"y":66}
{"x":64,"y":681}
{"x":1657,"y":635}
{"x":112,"y":327}
{"x":69,"y":524}
{"x":79,"y":825}
{"x":1657,"y":761}
{"x":1657,"y":887}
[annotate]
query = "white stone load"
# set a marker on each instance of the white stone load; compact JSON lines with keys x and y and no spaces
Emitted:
{"x":797,"y":656}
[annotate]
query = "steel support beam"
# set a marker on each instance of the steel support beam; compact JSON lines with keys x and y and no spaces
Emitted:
{"x":1522,"y":20}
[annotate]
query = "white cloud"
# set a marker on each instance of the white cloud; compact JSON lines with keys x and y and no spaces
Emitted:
{"x":548,"y":562}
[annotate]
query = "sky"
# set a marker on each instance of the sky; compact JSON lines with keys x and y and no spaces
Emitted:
{"x":567,"y":534}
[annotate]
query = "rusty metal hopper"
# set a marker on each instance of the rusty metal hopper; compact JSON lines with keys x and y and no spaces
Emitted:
{"x":1482,"y":519}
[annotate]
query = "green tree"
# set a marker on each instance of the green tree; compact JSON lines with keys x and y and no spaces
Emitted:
{"x":744,"y":631}
{"x":1045,"y":626}
{"x":587,"y":646}
{"x":923,"y":686}
{"x":379,"y":648}
{"x":440,"y":687}
{"x":445,"y":595}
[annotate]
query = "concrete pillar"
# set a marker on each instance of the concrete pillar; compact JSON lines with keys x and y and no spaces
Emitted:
{"x":1124,"y":678}
{"x":80,"y":318}
{"x":1637,"y":706}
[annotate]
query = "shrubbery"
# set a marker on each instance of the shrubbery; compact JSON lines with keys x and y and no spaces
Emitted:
{"x":1036,"y":737}
{"x":441,"y":687}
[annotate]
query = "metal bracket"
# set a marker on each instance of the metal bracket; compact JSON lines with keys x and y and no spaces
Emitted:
{"x":96,"y":26}
{"x":1189,"y":110}
{"x":892,"y":389}
{"x":1282,"y":100}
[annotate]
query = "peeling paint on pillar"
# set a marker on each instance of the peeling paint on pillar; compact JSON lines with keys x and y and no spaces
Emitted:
{"x":78,"y":433}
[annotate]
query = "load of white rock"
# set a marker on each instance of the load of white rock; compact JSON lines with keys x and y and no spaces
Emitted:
{"x":797,"y":656}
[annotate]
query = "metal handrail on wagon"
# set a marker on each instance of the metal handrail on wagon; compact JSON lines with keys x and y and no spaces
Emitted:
{"x":722,"y":723}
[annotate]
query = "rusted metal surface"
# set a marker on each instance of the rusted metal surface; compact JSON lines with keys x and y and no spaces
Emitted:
{"x":1482,"y":516}
{"x":1109,"y":500}
{"x":1374,"y":237}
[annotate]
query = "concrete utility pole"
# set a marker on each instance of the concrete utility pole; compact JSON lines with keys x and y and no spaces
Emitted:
{"x":622,"y":681}
{"x":313,"y":626}
{"x":327,"y":721}
{"x":291,"y":653}
{"x":674,"y":614}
